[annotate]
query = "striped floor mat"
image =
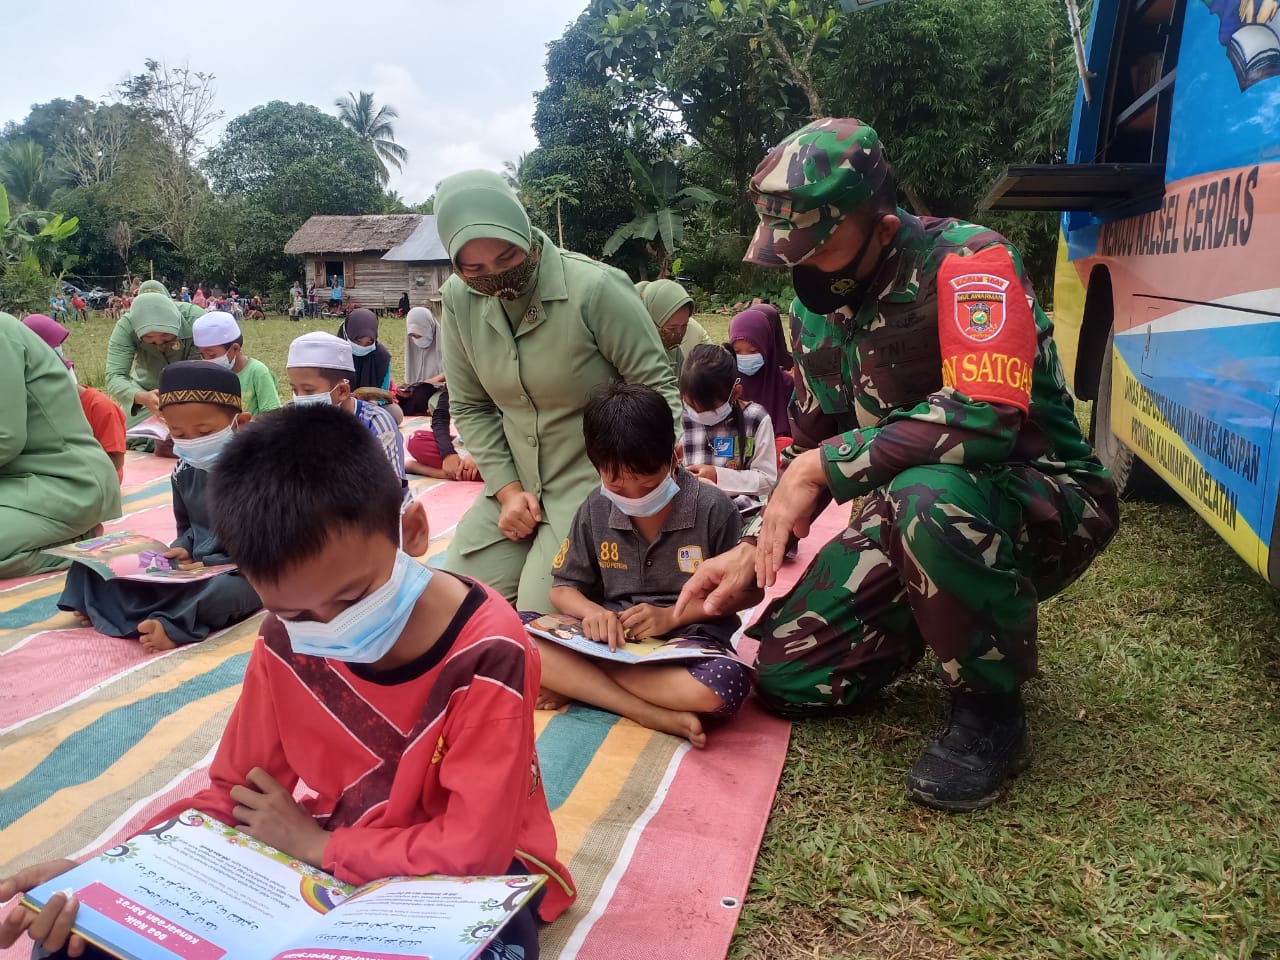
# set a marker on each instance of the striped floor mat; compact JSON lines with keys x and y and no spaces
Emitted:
{"x":96,"y":736}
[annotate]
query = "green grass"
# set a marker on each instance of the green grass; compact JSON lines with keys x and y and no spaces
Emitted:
{"x":1148,"y":826}
{"x":268,"y":340}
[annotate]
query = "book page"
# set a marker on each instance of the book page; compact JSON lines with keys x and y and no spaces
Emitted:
{"x":443,"y":918}
{"x":195,"y":889}
{"x":567,"y":632}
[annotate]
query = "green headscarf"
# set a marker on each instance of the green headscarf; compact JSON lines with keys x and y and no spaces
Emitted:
{"x":662,"y":298}
{"x":153,"y":286}
{"x":479,"y":204}
{"x":640,"y":287}
{"x":153,"y":313}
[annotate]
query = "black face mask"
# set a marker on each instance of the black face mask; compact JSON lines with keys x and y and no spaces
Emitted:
{"x":827,"y":292}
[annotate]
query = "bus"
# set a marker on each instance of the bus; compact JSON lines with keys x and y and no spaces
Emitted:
{"x":1166,"y":304}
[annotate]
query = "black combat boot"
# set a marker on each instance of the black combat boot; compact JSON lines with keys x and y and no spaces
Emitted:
{"x":983,"y":743}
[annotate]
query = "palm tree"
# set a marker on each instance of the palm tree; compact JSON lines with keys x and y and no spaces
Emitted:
{"x":373,"y":127}
{"x":26,"y":173}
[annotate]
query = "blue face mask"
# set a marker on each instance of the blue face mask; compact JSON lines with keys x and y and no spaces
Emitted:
{"x":359,"y":351}
{"x":749,"y":364}
{"x":366,"y":631}
{"x":650,"y":503}
{"x":307,"y":399}
{"x":202,"y":452}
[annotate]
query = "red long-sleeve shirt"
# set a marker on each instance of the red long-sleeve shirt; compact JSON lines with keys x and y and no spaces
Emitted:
{"x":430,"y":768}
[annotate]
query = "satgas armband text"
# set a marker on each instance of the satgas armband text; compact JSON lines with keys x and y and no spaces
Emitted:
{"x":986,"y":328}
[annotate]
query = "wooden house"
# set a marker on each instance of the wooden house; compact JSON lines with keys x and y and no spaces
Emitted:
{"x":379,"y":257}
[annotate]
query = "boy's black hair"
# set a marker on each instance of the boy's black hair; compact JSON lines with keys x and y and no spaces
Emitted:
{"x":708,"y":378}
{"x":237,"y":342}
{"x":628,"y":428}
{"x":291,"y":478}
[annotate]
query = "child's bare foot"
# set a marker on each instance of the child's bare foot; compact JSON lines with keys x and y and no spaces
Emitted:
{"x":679,"y":723}
{"x":82,"y":618}
{"x":153,"y":638}
{"x":549,"y":700}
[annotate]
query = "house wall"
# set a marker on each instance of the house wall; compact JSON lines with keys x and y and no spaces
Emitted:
{"x":376,"y":283}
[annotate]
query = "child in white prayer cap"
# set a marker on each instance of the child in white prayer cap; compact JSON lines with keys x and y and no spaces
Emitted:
{"x":218,"y":338}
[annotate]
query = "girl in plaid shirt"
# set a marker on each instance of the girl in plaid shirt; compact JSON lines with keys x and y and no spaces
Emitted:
{"x":727,"y":441}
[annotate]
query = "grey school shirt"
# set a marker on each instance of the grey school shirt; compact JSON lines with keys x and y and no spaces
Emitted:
{"x":609,"y":562}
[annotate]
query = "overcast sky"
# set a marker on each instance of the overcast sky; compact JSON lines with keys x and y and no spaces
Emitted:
{"x":462,"y":73}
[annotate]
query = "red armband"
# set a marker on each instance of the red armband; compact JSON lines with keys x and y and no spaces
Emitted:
{"x":986,"y":328}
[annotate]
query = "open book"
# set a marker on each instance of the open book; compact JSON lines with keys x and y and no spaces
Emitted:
{"x":132,"y":556}
{"x":152,"y":428}
{"x":567,"y":631}
{"x":1254,"y":51}
{"x":196,"y":889}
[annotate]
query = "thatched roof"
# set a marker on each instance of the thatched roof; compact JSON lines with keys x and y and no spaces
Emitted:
{"x":353,"y":234}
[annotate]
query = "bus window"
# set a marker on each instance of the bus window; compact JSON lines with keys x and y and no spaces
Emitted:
{"x":1139,"y":95}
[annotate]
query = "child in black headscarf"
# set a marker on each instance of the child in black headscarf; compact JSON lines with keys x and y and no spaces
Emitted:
{"x":372,"y":379}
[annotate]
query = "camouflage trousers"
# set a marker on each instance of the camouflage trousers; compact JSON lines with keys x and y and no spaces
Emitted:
{"x":945,"y":558}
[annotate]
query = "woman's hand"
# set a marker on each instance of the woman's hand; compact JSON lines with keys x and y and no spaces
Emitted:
{"x":149,"y":399}
{"x":788,"y":511}
{"x":467,"y":470}
{"x":450,"y":466}
{"x":51,"y":927}
{"x":520,"y":513}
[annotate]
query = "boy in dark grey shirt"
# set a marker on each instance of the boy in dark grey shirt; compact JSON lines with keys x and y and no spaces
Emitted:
{"x":633,"y":544}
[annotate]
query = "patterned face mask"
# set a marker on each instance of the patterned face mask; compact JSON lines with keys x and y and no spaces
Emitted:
{"x":510,"y":284}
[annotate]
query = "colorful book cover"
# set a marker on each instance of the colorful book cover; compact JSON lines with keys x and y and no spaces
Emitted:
{"x":132,"y":556}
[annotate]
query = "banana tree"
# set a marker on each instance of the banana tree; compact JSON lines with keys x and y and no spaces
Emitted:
{"x":38,"y":232}
{"x":661,"y":206}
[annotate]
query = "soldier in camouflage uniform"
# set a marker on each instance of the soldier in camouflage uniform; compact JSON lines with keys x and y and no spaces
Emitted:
{"x":927,"y":384}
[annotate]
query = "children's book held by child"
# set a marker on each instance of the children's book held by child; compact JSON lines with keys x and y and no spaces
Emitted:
{"x":196,"y":889}
{"x":131,"y":556}
{"x":567,"y":632}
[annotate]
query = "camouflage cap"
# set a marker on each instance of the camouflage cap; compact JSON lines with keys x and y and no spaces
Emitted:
{"x":808,"y":183}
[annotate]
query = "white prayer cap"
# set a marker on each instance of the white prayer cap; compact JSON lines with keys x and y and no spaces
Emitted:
{"x":320,"y":349}
{"x":215,"y":328}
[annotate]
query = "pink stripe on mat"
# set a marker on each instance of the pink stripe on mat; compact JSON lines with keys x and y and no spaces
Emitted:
{"x":85,"y":658}
{"x":717,"y":804}
{"x":142,"y":468}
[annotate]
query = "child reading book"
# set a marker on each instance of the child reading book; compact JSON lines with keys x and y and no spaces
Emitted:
{"x":727,"y":441}
{"x":200,"y":401}
{"x":320,"y":371}
{"x":218,"y":338}
{"x":633,"y":544}
{"x":400,"y":696}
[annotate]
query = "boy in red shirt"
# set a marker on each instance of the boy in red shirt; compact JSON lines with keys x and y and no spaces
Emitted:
{"x":400,"y":697}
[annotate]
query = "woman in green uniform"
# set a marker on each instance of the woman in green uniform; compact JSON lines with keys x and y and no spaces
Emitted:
{"x":529,"y":331}
{"x":671,"y":309}
{"x":152,"y":335}
{"x":56,"y":482}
